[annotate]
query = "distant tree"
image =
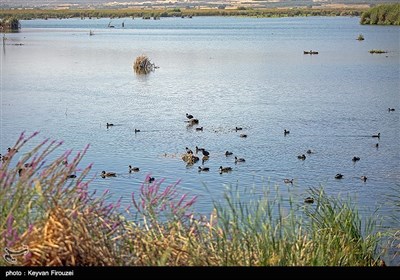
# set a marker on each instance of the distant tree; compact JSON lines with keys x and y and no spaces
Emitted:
{"x":385,"y":14}
{"x":11,"y":23}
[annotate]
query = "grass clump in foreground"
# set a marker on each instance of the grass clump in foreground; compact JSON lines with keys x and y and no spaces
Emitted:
{"x":61,"y":222}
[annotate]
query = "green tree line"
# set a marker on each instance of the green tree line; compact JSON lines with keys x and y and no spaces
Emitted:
{"x":385,"y":14}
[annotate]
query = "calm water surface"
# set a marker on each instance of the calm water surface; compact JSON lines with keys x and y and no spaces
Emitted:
{"x":227,"y":72}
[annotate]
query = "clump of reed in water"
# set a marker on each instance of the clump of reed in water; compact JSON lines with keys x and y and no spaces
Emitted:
{"x":143,"y":65}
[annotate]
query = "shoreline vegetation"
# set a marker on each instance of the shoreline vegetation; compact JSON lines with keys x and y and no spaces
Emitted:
{"x":50,"y":218}
{"x":384,"y":14}
{"x":27,"y":14}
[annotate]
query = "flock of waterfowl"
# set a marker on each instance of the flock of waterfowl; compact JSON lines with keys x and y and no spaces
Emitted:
{"x":191,"y":157}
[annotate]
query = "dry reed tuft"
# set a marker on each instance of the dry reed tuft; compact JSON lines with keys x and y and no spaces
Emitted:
{"x":143,"y":65}
{"x":65,"y":238}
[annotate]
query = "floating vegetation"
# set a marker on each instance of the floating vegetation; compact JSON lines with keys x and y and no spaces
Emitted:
{"x":310,"y":52}
{"x":377,"y":51}
{"x":360,"y":37}
{"x":143,"y":65}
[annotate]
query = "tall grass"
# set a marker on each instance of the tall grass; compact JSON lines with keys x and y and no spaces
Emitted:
{"x":61,"y":222}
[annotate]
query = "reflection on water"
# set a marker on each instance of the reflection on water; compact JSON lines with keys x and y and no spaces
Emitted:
{"x":227,"y":72}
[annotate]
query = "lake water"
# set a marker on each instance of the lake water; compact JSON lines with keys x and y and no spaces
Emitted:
{"x":227,"y":72}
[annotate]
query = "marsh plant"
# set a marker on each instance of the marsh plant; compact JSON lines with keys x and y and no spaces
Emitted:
{"x":64,"y":222}
{"x":143,"y":65}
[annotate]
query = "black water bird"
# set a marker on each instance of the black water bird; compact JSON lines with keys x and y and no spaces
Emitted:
{"x":193,"y":121}
{"x":338,"y":176}
{"x":189,"y":116}
{"x":224,"y":169}
{"x":199,"y":128}
{"x":364,"y":178}
{"x":108,"y":174}
{"x":199,"y":149}
{"x":228,"y":153}
{"x":302,"y":157}
{"x":288,"y":181}
{"x":203,"y":169}
{"x":133,"y":169}
{"x":109,"y":124}
{"x":137,"y":130}
{"x":150,"y":179}
{"x":309,"y":200}
{"x":356,"y":159}
{"x":239,"y":159}
{"x":238,"y":128}
{"x":377,"y":135}
{"x":286,"y":132}
{"x":243,"y":135}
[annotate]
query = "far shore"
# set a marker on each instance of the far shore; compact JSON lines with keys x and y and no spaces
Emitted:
{"x":27,"y":14}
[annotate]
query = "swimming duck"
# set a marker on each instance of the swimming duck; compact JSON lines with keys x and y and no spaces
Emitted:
{"x":243,"y":135}
{"x":288,"y":181}
{"x":137,"y":130}
{"x":203,"y":169}
{"x":224,"y":169}
{"x":133,"y":169}
{"x":338,"y":176}
{"x":302,"y":157}
{"x":108,"y":174}
{"x":109,"y":124}
{"x":309,"y":200}
{"x":238,"y":128}
{"x":205,"y":153}
{"x":189,"y":116}
{"x":286,"y":132}
{"x":199,"y":149}
{"x":150,"y":179}
{"x":377,"y":135}
{"x":356,"y":159}
{"x":364,"y":178}
{"x":193,"y":121}
{"x":239,"y":159}
{"x":195,"y":159}
{"x":227,"y":153}
{"x":199,"y":128}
